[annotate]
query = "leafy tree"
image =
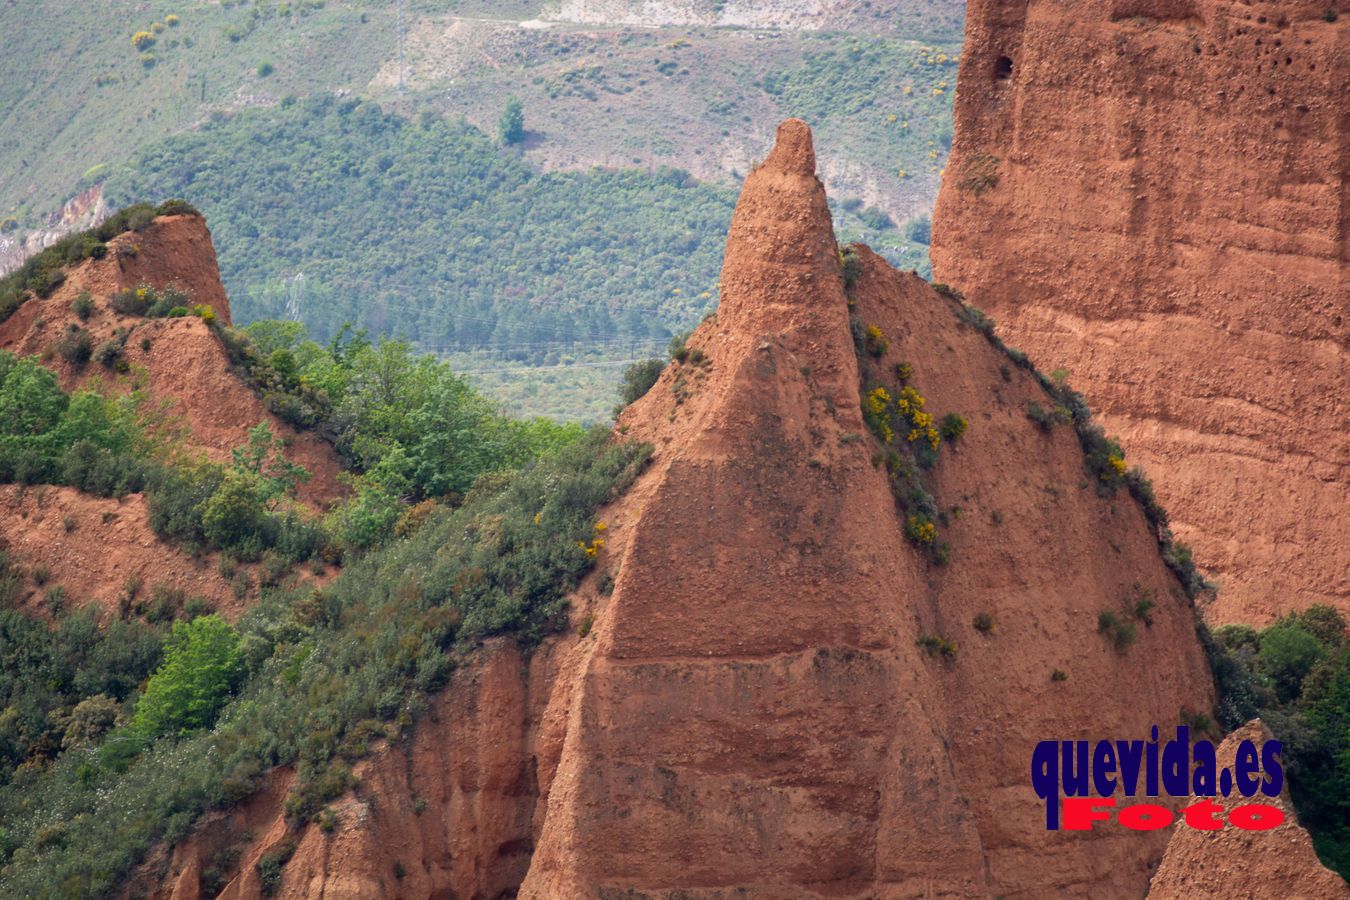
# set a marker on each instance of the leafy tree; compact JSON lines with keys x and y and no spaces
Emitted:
{"x":638,"y":380}
{"x":262,"y":456}
{"x":511,"y":125}
{"x":1288,"y":653}
{"x":31,"y":402}
{"x":202,"y":668}
{"x":235,"y":514}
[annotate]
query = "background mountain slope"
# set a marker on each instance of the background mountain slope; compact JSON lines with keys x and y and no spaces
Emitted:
{"x":91,"y":120}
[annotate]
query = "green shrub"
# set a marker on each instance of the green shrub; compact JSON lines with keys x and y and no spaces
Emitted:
{"x":202,"y":668}
{"x":108,"y":353}
{"x":82,"y":305}
{"x":638,"y":380}
{"x":1056,"y":415}
{"x":1122,"y":633}
{"x":938,"y":646}
{"x":75,"y":345}
{"x":176,"y":208}
{"x":678,"y":351}
{"x":984,"y":623}
{"x":271,"y":864}
{"x":953,"y":426}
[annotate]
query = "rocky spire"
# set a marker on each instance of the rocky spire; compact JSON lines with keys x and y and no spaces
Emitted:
{"x":781,"y":253}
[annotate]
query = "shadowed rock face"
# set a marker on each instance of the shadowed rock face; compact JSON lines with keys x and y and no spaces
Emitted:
{"x":1153,"y":195}
{"x":750,"y":712}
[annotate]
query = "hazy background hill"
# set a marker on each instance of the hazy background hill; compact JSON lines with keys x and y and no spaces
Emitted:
{"x":347,"y":156}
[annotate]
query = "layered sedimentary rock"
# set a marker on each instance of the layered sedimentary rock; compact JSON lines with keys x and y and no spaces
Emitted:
{"x":751,"y":710}
{"x":1152,"y":194}
{"x":1231,"y":862}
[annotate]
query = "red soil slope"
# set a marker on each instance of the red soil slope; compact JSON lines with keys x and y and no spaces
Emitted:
{"x":749,"y":713}
{"x":1152,"y":194}
{"x":186,"y":366}
{"x":92,"y":546}
{"x":1277,"y":863}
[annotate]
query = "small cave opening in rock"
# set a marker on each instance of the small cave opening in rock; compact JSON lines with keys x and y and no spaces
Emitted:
{"x":1003,"y":67}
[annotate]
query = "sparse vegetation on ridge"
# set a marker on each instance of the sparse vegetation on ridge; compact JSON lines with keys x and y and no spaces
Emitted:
{"x":327,"y":671}
{"x":1102,"y":457}
{"x":43,"y":272}
{"x":1300,"y":689}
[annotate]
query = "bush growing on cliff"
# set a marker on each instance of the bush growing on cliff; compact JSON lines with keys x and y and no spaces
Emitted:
{"x":638,"y":380}
{"x":75,"y":345}
{"x":82,"y":305}
{"x":47,"y":435}
{"x":1121,"y":632}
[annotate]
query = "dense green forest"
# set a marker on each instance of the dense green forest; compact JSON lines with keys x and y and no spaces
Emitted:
{"x":429,"y":229}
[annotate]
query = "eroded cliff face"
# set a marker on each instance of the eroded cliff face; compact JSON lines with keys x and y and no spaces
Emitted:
{"x":1152,"y":195}
{"x":749,"y":712}
{"x":85,"y":210}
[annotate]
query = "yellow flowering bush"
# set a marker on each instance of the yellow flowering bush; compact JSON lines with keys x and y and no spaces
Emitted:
{"x":875,"y":340}
{"x":591,"y":550}
{"x":877,"y":399}
{"x":920,"y":529}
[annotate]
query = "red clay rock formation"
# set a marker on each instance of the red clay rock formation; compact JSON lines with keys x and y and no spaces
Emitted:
{"x":448,"y":813}
{"x":1152,"y":194}
{"x":1276,"y":863}
{"x":749,"y":712}
{"x":186,"y":365}
{"x":92,"y":547}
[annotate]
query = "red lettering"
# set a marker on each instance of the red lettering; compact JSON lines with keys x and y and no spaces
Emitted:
{"x":1205,"y":815}
{"x":1081,"y":812}
{"x":1255,"y":816}
{"x":1146,"y":817}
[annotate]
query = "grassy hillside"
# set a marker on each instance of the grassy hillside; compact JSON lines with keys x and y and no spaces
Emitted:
{"x":76,"y":94}
{"x":265,"y":114}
